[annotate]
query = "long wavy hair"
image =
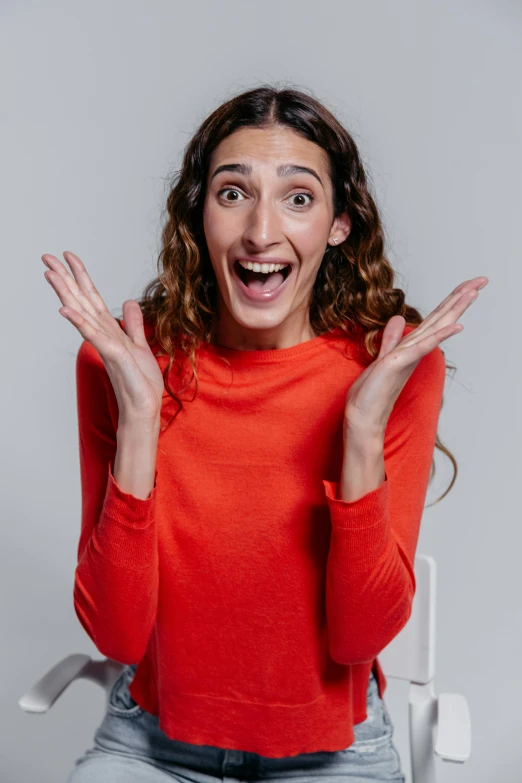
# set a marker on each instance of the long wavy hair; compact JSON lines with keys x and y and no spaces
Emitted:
{"x":354,"y":287}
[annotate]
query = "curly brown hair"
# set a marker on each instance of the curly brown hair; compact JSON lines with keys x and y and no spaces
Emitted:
{"x":354,"y":287}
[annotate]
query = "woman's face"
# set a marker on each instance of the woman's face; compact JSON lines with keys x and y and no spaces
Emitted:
{"x":259,"y":207}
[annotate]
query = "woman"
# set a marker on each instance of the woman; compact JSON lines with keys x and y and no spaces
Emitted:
{"x":248,"y":560}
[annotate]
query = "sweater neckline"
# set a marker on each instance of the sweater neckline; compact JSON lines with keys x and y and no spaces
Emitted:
{"x":271,"y":355}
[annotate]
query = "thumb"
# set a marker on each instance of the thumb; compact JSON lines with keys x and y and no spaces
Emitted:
{"x":133,"y":321}
{"x":392,"y":334}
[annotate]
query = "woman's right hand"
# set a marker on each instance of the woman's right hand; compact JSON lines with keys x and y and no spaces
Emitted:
{"x":132,"y":368}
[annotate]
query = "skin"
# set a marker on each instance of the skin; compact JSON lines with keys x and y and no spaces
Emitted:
{"x":373,"y":394}
{"x":263,"y":214}
{"x":263,"y":218}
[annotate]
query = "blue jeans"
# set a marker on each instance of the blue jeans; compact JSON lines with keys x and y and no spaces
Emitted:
{"x":130,"y":746}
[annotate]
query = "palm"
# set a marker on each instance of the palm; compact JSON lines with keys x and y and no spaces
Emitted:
{"x":134,"y":372}
{"x":371,"y":397}
{"x":142,"y":354}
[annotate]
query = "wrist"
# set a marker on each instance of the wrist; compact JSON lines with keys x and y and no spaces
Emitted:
{"x":363,"y":438}
{"x":363,"y":467}
{"x":130,"y":424}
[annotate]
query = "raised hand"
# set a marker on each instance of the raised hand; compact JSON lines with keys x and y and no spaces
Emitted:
{"x":371,"y":397}
{"x":132,"y":368}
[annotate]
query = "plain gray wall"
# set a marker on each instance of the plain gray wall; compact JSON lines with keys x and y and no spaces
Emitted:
{"x":98,"y":102}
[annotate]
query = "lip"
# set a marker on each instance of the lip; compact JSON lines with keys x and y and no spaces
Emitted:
{"x":255,"y":296}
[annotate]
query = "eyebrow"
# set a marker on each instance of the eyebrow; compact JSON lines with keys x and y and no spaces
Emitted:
{"x":285,"y":170}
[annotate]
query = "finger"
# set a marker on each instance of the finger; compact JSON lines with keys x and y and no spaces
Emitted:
{"x":449,"y":301}
{"x":448,"y":320}
{"x":431,"y":341}
{"x":80,"y":283}
{"x":81,"y":275}
{"x":87,"y":330}
{"x":56,"y":266}
{"x":454,"y":306}
{"x":67,"y":298}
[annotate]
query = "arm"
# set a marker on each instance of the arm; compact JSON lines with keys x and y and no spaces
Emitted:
{"x":116,"y":577}
{"x":376,"y":510}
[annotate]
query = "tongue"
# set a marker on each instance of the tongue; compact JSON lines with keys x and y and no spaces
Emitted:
{"x":264,"y":283}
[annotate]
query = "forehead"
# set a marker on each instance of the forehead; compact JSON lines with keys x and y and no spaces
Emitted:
{"x":269,"y":147}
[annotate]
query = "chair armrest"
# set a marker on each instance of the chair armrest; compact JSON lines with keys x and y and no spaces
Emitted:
{"x":453,"y":731}
{"x":41,"y":697}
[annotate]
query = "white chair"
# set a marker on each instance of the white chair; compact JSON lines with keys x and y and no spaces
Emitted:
{"x":440,"y":724}
{"x":437,"y":724}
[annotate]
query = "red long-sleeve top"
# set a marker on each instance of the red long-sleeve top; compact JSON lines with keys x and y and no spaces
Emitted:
{"x":253,"y":599}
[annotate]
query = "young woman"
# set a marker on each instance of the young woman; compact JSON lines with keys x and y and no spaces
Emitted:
{"x":247,"y":541}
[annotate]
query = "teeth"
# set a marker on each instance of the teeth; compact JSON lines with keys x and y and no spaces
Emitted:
{"x":264,"y":268}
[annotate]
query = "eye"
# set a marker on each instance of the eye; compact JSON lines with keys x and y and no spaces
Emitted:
{"x":299,"y":206}
{"x":223,"y":190}
{"x":303,"y":193}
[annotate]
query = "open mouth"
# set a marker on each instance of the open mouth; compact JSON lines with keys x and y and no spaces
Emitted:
{"x":260,"y":281}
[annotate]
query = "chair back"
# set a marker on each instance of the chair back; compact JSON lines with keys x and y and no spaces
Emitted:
{"x":411,"y":654}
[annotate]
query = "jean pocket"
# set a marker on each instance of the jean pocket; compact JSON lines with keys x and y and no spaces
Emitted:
{"x":376,"y":730}
{"x":120,"y":702}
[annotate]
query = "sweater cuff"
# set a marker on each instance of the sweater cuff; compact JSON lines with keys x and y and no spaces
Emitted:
{"x":366,"y":511}
{"x":126,"y":508}
{"x":360,"y":529}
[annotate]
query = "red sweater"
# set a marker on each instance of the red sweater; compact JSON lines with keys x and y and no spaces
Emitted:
{"x":253,"y":600}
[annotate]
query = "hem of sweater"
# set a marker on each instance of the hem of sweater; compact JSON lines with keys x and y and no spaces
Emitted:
{"x":273,"y":731}
{"x":360,"y":681}
{"x":382,"y":682}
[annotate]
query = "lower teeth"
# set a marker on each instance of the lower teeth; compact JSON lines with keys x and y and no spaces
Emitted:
{"x":248,"y":275}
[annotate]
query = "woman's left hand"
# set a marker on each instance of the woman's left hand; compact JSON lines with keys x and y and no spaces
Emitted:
{"x":373,"y":394}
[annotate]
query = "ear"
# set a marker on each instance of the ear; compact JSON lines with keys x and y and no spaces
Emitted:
{"x":341,"y":227}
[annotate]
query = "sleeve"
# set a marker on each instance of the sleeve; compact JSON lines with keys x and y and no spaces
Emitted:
{"x":370,"y":581}
{"x":116,"y":578}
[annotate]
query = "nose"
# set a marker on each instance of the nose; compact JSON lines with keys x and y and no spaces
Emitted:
{"x":262,"y":225}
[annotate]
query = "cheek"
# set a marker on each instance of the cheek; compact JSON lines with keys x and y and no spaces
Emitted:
{"x":220,"y":232}
{"x":311,"y":236}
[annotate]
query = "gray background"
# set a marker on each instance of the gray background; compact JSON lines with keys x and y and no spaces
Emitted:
{"x":98,"y":101}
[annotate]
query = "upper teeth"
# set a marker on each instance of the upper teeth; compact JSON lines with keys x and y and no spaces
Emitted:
{"x":264,"y":268}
